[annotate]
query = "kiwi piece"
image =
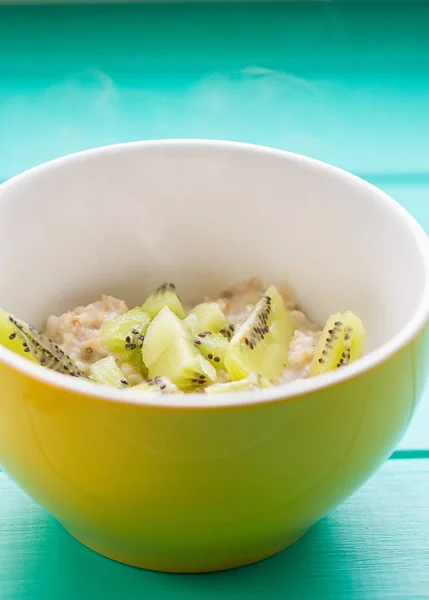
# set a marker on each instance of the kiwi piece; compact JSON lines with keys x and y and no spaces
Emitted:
{"x":124,"y":336}
{"x":342,"y":342}
{"x":157,"y":385}
{"x":169,"y":351}
{"x":107,"y":372}
{"x":11,"y":338}
{"x":165,"y":295}
{"x":37,"y":346}
{"x":213,"y":347}
{"x":251,"y":382}
{"x":208,"y":316}
{"x":261,"y":343}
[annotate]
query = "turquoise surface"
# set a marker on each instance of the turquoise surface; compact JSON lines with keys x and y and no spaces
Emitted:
{"x":374,"y":547}
{"x":346,"y":82}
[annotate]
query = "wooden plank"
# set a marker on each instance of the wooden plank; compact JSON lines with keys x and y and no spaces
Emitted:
{"x":375,"y":546}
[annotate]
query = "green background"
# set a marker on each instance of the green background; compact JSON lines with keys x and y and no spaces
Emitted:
{"x":346,"y":82}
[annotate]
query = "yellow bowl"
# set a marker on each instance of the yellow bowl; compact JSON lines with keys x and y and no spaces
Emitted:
{"x":190,"y":484}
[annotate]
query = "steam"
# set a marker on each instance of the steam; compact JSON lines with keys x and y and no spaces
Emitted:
{"x":254,"y":105}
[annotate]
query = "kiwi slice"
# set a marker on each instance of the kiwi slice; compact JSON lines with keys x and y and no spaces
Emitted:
{"x":39,"y":348}
{"x":157,"y":385}
{"x":11,"y":338}
{"x":165,"y":295}
{"x":251,"y":382}
{"x":169,"y":351}
{"x":208,"y":316}
{"x":342,"y":342}
{"x":261,"y":343}
{"x":124,"y":336}
{"x":106,"y":371}
{"x":213,"y":347}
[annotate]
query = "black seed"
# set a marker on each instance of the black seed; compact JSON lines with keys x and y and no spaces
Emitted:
{"x":133,"y":346}
{"x":246,"y":341}
{"x":11,"y":319}
{"x":128,"y":339}
{"x":210,"y":356}
{"x":329,"y":340}
{"x":266,"y":329}
{"x":124,"y":381}
{"x":331,"y":331}
{"x":198,"y":342}
{"x":222,"y":331}
{"x":337,"y":323}
{"x":347,"y":336}
{"x":231,"y":327}
{"x":321,"y":360}
{"x":251,"y":346}
{"x":216,"y":359}
{"x":325,"y":352}
{"x":194,"y":380}
{"x":12,"y":336}
{"x":26,"y":349}
{"x":202,"y":335}
{"x":135,"y":331}
{"x":162,"y":387}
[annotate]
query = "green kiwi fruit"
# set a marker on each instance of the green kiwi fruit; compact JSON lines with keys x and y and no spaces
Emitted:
{"x":213,"y":347}
{"x":165,"y":295}
{"x":251,"y":382}
{"x":11,"y":338}
{"x":342,"y":342}
{"x":208,"y":316}
{"x":158,"y":385}
{"x":169,"y":351}
{"x":261,"y":343}
{"x":124,"y":335}
{"x":38,"y":347}
{"x":107,"y":372}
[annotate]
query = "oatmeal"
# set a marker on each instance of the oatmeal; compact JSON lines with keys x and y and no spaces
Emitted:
{"x":248,"y":337}
{"x":77,"y":332}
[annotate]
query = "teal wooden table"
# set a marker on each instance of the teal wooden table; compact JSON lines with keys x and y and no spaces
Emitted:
{"x":347,"y":82}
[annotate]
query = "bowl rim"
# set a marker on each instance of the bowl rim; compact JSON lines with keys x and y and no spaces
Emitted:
{"x":284,"y":392}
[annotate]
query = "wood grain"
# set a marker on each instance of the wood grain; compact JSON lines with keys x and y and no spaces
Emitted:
{"x":375,"y":546}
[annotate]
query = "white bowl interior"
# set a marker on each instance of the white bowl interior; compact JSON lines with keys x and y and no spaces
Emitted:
{"x":122,"y":220}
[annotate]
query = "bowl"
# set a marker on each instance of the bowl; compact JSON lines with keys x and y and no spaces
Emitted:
{"x":195,"y":483}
